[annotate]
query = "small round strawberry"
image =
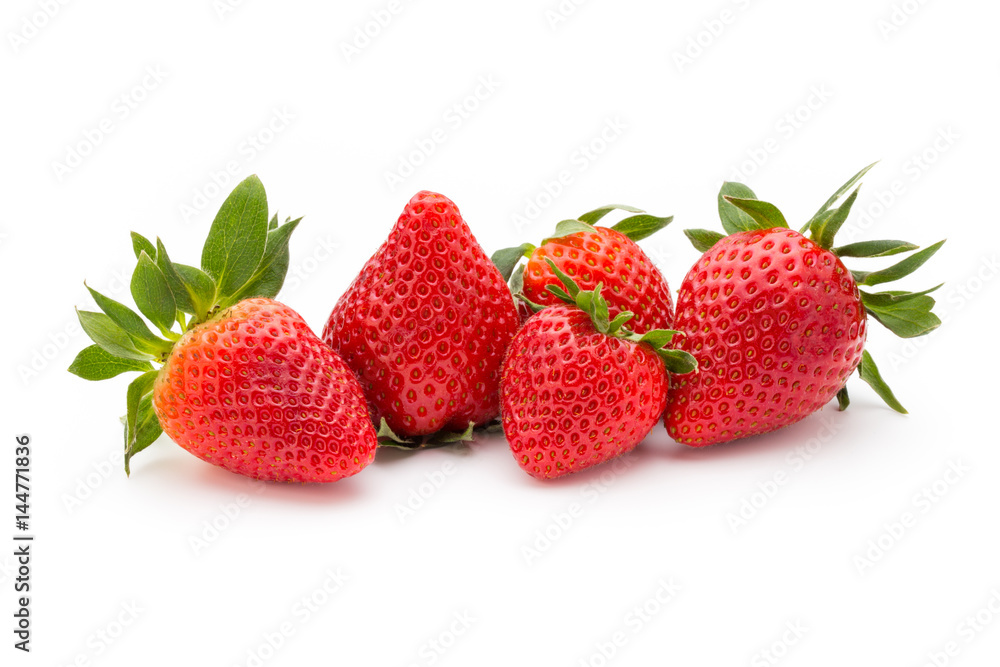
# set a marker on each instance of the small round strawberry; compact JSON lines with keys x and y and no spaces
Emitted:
{"x":578,"y":389}
{"x":244,"y":384}
{"x":592,"y":255}
{"x":778,"y":323}
{"x":425,"y":324}
{"x":255,"y":391}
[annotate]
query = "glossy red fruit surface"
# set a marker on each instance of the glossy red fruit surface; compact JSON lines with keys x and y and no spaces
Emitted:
{"x":631,"y":281}
{"x":572,"y":397}
{"x":256,"y":392}
{"x":426,"y":323}
{"x":777,"y":325}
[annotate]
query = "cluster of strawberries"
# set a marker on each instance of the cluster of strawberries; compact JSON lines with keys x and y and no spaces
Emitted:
{"x":580,"y":355}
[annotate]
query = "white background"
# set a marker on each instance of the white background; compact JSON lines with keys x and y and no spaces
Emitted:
{"x":791,"y":97}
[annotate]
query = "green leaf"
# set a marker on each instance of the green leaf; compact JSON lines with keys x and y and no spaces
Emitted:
{"x":152,"y":294}
{"x":110,"y":337}
{"x":594,"y":304}
{"x":869,"y":373}
{"x":906,"y":314}
{"x":893,"y":297}
{"x":615,"y":325}
{"x":826,"y":226}
{"x":657,"y":337}
{"x":129,"y":321}
{"x":177,"y":289}
{"x":270,"y":274}
{"x":763,"y":214}
{"x":149,"y":428}
{"x":571,"y":287}
{"x":506,"y":259}
{"x":591,"y":217}
{"x":678,"y":361}
{"x":200,"y":288}
{"x":138,"y":411}
{"x":733,"y":219}
{"x":840,"y":192}
{"x":536,"y":307}
{"x":638,"y":227}
{"x":874,"y":248}
{"x":568,"y":227}
{"x":141,"y":244}
{"x":703,"y":239}
{"x":387,"y":438}
{"x":899,"y":270}
{"x":843,"y":399}
{"x":448,"y":437}
{"x":237,"y":238}
{"x":93,"y":363}
{"x":517,"y":281}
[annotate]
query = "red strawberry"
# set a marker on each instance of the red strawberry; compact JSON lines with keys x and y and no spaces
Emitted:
{"x":245,"y":384}
{"x":425,"y":324}
{"x":578,"y":389}
{"x":777,"y":322}
{"x":255,"y":391}
{"x":592,"y":255}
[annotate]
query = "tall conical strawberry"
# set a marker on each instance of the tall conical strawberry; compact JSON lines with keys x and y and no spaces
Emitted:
{"x":592,"y":255}
{"x":244,"y":383}
{"x":425,"y":325}
{"x":778,"y":323}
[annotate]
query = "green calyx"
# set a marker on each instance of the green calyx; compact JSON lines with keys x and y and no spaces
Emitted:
{"x":637,"y":226}
{"x":594,"y":304}
{"x":906,"y":314}
{"x":387,"y":438}
{"x":244,"y":256}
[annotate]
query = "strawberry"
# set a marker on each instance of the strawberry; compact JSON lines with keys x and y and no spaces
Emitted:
{"x":245,"y":384}
{"x":255,"y":391}
{"x":778,"y":323}
{"x":579,"y":388}
{"x":592,"y":255}
{"x":425,"y":325}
